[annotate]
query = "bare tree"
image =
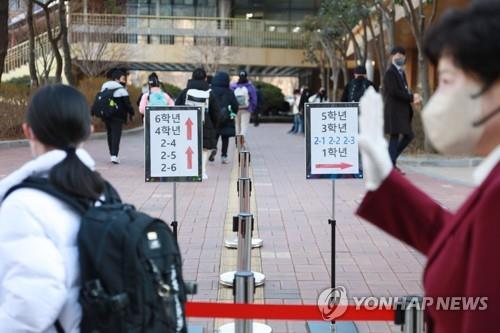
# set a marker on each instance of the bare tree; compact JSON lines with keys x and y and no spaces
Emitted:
{"x":4,"y":34}
{"x":45,"y":59}
{"x":419,"y":22}
{"x":63,"y":26}
{"x":31,"y":39}
{"x":95,"y":53}
{"x":53,"y":37}
{"x":209,"y":54}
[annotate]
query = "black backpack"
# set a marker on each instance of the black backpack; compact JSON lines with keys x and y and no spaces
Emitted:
{"x":130,"y":265}
{"x":105,"y":105}
{"x":358,"y":89}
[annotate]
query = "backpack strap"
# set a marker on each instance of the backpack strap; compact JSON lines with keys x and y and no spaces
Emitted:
{"x":42,"y":184}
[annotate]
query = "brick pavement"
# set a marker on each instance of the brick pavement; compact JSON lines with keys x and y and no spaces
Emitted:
{"x":291,"y":214}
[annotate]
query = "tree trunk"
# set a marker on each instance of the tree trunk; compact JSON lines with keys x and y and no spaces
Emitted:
{"x":68,"y":72}
{"x":4,"y":34}
{"x":54,"y":41}
{"x":31,"y":38}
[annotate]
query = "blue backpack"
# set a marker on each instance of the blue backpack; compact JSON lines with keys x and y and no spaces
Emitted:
{"x":157,"y":99}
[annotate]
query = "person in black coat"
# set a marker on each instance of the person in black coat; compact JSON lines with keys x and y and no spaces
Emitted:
{"x":211,"y":118}
{"x":356,"y":88}
{"x":398,"y":112}
{"x":228,"y":105}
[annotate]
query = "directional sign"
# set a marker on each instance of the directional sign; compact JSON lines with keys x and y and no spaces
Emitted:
{"x":173,"y":137}
{"x":332,"y":140}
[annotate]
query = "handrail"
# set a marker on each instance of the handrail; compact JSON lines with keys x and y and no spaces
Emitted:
{"x":132,"y":29}
{"x":18,"y":55}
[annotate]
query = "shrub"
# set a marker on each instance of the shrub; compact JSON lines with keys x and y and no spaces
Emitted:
{"x":272,"y":97}
{"x":13,"y":102}
{"x":171,"y":90}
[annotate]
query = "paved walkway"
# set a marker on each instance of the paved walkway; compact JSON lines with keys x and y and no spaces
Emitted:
{"x":291,"y":214}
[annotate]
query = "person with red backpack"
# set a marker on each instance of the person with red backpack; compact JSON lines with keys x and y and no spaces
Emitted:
{"x":155,"y":96}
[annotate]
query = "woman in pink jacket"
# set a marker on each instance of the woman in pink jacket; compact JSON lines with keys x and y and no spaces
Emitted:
{"x":155,"y":96}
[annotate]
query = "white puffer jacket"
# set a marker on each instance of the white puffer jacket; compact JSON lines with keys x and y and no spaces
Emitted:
{"x":39,"y":272}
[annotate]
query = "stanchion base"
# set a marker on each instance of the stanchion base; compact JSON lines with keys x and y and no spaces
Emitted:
{"x":232,"y":243}
{"x":227,"y":279}
{"x":257,"y":328}
{"x":326,"y":327}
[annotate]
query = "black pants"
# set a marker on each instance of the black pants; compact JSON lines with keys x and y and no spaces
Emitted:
{"x":397,"y":144}
{"x":225,"y":144}
{"x":114,"y":130}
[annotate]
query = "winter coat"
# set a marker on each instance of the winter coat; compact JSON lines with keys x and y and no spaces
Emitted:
{"x":355,"y":89}
{"x":145,"y":99}
{"x":225,"y":98}
{"x":398,"y":112}
{"x":252,"y":94}
{"x":39,"y":268}
{"x":122,"y":99}
{"x":211,"y":120}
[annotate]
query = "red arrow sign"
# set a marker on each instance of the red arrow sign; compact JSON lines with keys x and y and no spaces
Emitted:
{"x":341,"y":166}
{"x":189,"y":126}
{"x":189,"y":153}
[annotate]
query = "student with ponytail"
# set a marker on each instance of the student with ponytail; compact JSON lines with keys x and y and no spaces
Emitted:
{"x":39,"y":271}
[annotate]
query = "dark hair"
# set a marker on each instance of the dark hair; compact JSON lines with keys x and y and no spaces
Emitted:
{"x":243,"y":77}
{"x":117,"y":74}
{"x":199,"y":74}
{"x":59,"y":117}
{"x":398,"y":49}
{"x":360,"y":70}
{"x":153,"y":80}
{"x":470,"y":37}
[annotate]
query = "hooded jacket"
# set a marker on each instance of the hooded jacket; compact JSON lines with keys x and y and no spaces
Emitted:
{"x":39,"y":269}
{"x":225,"y":98}
{"x":251,"y":92}
{"x":211,"y":121}
{"x":122,"y":99}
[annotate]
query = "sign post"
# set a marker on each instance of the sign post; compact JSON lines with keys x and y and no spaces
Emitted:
{"x":332,"y":153}
{"x":173,"y":136}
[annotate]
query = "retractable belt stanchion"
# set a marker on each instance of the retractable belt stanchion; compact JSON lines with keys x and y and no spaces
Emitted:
{"x":244,"y":254}
{"x":244,"y":172}
{"x":410,"y":315}
{"x":243,"y":280}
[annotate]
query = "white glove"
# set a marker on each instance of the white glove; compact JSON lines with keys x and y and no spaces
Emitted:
{"x":377,"y":164}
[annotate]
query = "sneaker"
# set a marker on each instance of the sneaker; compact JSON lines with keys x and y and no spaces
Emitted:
{"x":211,"y":158}
{"x":115,"y":160}
{"x":224,"y":160}
{"x":204,"y":177}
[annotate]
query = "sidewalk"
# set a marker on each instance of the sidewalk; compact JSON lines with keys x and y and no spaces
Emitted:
{"x":291,"y":214}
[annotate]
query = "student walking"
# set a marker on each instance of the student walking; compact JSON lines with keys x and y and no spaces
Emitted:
{"x":246,"y":96}
{"x":115,"y":96}
{"x":155,"y":96}
{"x":228,"y":106}
{"x":197,"y":93}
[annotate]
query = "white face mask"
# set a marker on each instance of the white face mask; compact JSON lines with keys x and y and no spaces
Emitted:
{"x":449,"y":119}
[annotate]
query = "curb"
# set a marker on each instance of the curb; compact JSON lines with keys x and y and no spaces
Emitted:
{"x":465,"y":162}
{"x":95,"y":136}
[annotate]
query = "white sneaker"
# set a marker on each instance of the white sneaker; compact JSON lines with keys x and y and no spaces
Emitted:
{"x":224,"y":160}
{"x":115,"y":160}
{"x":204,"y":177}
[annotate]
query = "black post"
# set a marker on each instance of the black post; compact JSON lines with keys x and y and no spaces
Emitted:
{"x":174,"y":228}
